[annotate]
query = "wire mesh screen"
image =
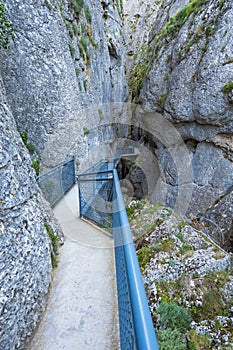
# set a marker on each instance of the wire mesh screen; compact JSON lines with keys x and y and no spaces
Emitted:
{"x":126,"y":320}
{"x":95,"y":195}
{"x":126,"y":323}
{"x":97,"y":168}
{"x":101,"y":202}
{"x":56,"y":182}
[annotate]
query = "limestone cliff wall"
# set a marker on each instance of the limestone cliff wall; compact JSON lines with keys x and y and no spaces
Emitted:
{"x":62,"y":59}
{"x":66,"y":59}
{"x":25,"y":247}
{"x":185,"y":73}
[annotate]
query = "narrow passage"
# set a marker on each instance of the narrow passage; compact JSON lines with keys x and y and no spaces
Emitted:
{"x":82,"y":306}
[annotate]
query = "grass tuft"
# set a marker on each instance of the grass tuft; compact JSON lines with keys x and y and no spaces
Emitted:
{"x":228,"y":87}
{"x":54,"y":240}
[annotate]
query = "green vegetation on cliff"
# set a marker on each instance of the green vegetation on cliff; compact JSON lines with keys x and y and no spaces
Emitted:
{"x":150,"y":52}
{"x":54,"y":244}
{"x":6,"y":29}
{"x":187,"y":277}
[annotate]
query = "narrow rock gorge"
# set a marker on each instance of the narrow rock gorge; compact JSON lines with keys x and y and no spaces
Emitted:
{"x":85,"y":75}
{"x":184,"y":71}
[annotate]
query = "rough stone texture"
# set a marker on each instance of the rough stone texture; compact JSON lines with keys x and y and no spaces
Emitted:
{"x":190,"y":70}
{"x":185,"y":84}
{"x":218,"y":221}
{"x":182,"y":265}
{"x":25,"y":261}
{"x":138,"y":21}
{"x":47,"y":78}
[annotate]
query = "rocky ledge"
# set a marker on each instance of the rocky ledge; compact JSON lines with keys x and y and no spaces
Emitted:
{"x":188,"y":280}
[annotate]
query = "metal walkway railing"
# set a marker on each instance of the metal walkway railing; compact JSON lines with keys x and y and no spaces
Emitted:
{"x":95,"y":194}
{"x":101,"y":202}
{"x":56,"y":182}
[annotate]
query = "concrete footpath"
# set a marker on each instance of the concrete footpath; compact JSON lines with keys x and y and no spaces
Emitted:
{"x":82,"y":306}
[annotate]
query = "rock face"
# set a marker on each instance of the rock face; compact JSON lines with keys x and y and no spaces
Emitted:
{"x":25,"y":247}
{"x":63,"y":58}
{"x":139,"y":18}
{"x":69,"y":56}
{"x":185,"y":73}
{"x":181,"y":267}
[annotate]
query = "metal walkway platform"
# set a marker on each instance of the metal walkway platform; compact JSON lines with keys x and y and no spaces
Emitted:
{"x":82,"y":306}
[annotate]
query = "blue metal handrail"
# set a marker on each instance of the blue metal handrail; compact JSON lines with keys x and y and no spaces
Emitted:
{"x":144,"y":329}
{"x":136,"y":327}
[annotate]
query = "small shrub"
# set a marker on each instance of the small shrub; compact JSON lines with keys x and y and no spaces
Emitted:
{"x":83,"y":41}
{"x":174,"y":317}
{"x":144,"y":255}
{"x":222,"y":2}
{"x":36,"y":165}
{"x":170,"y":339}
{"x":228,"y":87}
{"x":130,"y":210}
{"x":86,"y":131}
{"x":69,"y":27}
{"x":209,"y":31}
{"x":185,"y":248}
{"x":156,"y":246}
{"x":182,"y":224}
{"x":172,"y":262}
{"x":198,"y":342}
{"x":88,"y":14}
{"x":77,"y":72}
{"x":6,"y":29}
{"x":166,"y":245}
{"x":78,"y":5}
{"x":199,"y":30}
{"x":82,"y":49}
{"x":93,"y":42}
{"x":54,"y":260}
{"x":24,"y":137}
{"x":76,"y":29}
{"x":85,"y":88}
{"x":163,"y":99}
{"x":30,"y":147}
{"x":212,"y":304}
{"x":119,"y":5}
{"x":83,"y":45}
{"x":83,"y":28}
{"x":72,"y":48}
{"x":54,"y":240}
{"x":180,"y":236}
